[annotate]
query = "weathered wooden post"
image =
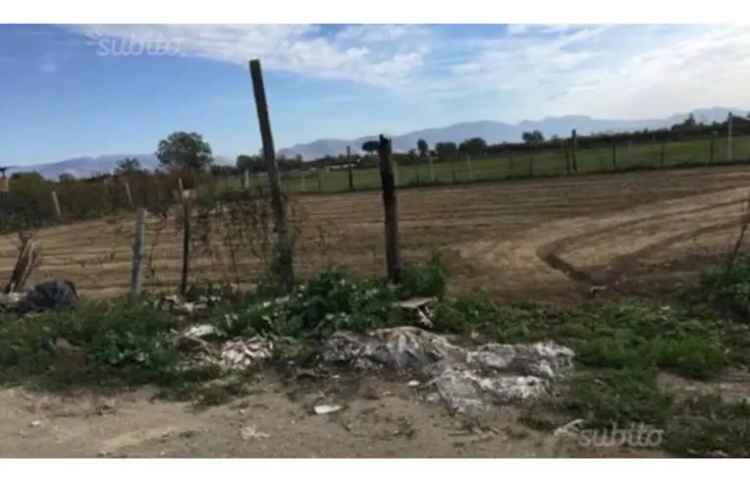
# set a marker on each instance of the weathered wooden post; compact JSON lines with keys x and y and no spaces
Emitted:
{"x":712,"y":148}
{"x":574,"y":148}
{"x":186,"y":233}
{"x":614,"y":155}
{"x":566,"y":152}
{"x":662,"y":152}
{"x":730,"y":151}
{"x":390,"y":205}
{"x":246,"y":179}
{"x":56,"y":205}
{"x":432,"y":169}
{"x":28,"y":259}
{"x":138,"y":244}
{"x":283,"y":263}
{"x":129,"y":195}
{"x":304,"y":181}
{"x":468,"y":166}
{"x":453,"y":172}
{"x":350,"y":167}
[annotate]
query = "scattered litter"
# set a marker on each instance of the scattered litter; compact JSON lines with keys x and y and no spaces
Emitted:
{"x":421,"y":306}
{"x":250,"y":432}
{"x":327,"y":409}
{"x":239,"y":354}
{"x":467,"y":381}
{"x":49,"y":295}
{"x":36,"y":423}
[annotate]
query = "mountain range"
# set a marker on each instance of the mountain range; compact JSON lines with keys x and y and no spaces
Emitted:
{"x":492,"y":131}
{"x":497,"y":132}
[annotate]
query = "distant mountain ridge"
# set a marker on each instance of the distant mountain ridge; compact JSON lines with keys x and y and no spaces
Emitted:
{"x":86,"y":166}
{"x":491,"y":131}
{"x":497,"y":132}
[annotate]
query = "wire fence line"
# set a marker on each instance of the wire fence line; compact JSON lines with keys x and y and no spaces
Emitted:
{"x":32,"y":202}
{"x":532,"y":162}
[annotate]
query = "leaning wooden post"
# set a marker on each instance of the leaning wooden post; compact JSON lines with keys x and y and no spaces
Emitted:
{"x":390,"y":204}
{"x":282,"y":265}
{"x":129,"y":195}
{"x":351,"y":168}
{"x":730,"y":151}
{"x":138,"y":244}
{"x":56,"y":205}
{"x":574,"y":147}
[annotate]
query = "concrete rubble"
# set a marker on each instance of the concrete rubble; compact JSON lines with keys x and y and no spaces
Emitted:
{"x":467,"y":381}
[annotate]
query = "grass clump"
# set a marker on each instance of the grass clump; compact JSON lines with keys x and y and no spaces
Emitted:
{"x":727,"y":288}
{"x":707,"y":426}
{"x":423,"y":280}
{"x":95,"y":342}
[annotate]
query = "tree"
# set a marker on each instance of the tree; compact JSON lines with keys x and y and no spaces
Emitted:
{"x":370,"y":146}
{"x":473,"y":146}
{"x":422,"y":147}
{"x":128,"y":166}
{"x":66,"y":177}
{"x":253,"y":164}
{"x":446,"y":151}
{"x":184,"y":150}
{"x":533,"y":137}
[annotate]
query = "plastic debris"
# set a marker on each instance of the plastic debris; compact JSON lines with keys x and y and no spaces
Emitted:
{"x":327,"y":409}
{"x":250,"y":433}
{"x":467,"y":381}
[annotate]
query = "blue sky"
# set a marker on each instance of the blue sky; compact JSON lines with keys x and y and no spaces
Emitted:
{"x":70,"y":91}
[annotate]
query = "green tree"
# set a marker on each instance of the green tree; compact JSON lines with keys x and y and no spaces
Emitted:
{"x":422,"y":147}
{"x":128,"y":166}
{"x":253,"y":164}
{"x":533,"y":137}
{"x":370,"y":146}
{"x":473,"y":146}
{"x":446,"y":151}
{"x":184,"y":150}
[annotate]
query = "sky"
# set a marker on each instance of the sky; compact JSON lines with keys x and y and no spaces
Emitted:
{"x":88,"y":90}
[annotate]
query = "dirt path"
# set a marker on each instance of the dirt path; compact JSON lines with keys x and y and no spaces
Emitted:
{"x":379,"y":419}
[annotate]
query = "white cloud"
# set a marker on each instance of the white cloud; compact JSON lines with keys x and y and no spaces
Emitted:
{"x":301,"y":49}
{"x":528,"y":70}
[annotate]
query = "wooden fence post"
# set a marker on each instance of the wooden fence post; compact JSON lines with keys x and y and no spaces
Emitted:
{"x":390,"y":205}
{"x":246,"y":179}
{"x":468,"y":166}
{"x":283,"y":264}
{"x":712,"y":148}
{"x":730,"y":150}
{"x":614,"y":156}
{"x":351,"y":168}
{"x":56,"y":205}
{"x":662,"y":153}
{"x":319,"y":172}
{"x":566,"y":152}
{"x":432,"y":169}
{"x":574,"y":148}
{"x":129,"y":195}
{"x":138,"y":243}
{"x":453,"y":172}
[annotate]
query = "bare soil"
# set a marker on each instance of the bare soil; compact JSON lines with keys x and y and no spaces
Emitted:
{"x":541,"y":239}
